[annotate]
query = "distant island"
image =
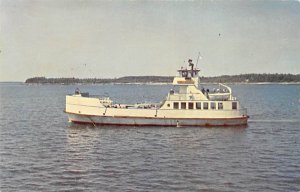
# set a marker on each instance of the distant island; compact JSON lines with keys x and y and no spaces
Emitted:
{"x":243,"y":78}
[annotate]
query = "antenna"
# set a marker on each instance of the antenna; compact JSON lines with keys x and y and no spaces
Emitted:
{"x":198,"y":59}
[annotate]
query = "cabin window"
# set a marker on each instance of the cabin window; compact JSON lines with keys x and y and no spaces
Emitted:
{"x":191,"y":105}
{"x":213,"y":105}
{"x":168,"y":105}
{"x":176,"y":105}
{"x":234,"y":105}
{"x":183,"y":105}
{"x":205,"y":105}
{"x":220,"y":105}
{"x":198,"y":105}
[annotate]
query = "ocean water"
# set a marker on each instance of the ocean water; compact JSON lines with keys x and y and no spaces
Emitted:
{"x":41,"y":151}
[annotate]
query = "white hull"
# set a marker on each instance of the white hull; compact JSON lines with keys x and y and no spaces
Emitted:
{"x":155,"y":121}
{"x":187,"y":106}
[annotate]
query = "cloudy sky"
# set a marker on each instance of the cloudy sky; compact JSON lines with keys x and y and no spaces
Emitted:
{"x":91,"y":38}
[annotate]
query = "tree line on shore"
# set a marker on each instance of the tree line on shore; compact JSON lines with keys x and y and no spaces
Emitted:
{"x":243,"y":78}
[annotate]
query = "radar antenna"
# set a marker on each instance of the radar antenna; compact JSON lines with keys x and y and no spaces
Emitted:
{"x":192,"y":67}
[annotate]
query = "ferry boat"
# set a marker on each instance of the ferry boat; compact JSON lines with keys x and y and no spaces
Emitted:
{"x":190,"y":105}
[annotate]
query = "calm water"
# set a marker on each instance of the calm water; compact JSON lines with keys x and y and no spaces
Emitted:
{"x":41,"y":151}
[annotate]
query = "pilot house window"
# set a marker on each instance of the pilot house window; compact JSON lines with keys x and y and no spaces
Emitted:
{"x":212,"y":105}
{"x":220,"y":105}
{"x":205,"y":105}
{"x":191,"y":105}
{"x":234,"y":105}
{"x":176,"y":105}
{"x":183,"y":105}
{"x":198,"y":105}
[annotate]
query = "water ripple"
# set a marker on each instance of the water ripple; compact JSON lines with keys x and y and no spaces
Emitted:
{"x":40,"y":151}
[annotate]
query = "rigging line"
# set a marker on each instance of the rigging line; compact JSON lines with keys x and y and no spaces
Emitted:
{"x":91,"y":120}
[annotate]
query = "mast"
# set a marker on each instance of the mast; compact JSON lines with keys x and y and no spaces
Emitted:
{"x":198,"y":59}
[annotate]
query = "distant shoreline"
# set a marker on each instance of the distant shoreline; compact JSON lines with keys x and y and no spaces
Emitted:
{"x":149,"y":83}
{"x":230,"y":83}
{"x":229,"y":79}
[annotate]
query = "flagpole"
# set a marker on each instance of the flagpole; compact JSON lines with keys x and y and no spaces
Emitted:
{"x":197,"y":60}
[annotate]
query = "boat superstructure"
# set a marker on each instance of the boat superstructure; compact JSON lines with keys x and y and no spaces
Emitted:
{"x":188,"y":104}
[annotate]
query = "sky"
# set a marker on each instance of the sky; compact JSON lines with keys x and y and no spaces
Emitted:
{"x":110,"y":39}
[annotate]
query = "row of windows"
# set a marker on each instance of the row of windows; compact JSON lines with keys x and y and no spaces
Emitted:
{"x":199,"y":105}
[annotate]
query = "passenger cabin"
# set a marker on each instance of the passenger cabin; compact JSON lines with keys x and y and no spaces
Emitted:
{"x":187,"y":94}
